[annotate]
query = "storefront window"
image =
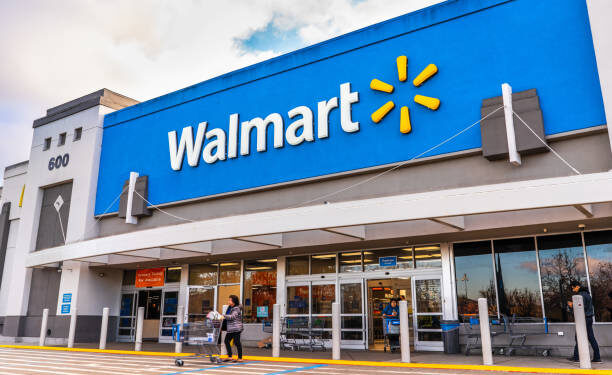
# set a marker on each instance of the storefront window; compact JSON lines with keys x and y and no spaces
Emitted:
{"x":388,"y":259}
{"x":474,"y":276}
{"x":516,"y":270}
{"x":427,"y":256}
{"x":350,"y":262}
{"x":259,"y":290}
{"x":229,"y":273}
{"x":297,"y":300}
{"x":322,"y":298}
{"x":203,"y":274}
{"x":324,"y":263}
{"x":173,"y":274}
{"x":297,"y":265}
{"x":561,"y":262}
{"x":599,"y":255}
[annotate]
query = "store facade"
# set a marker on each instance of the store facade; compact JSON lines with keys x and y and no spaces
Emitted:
{"x":296,"y":181}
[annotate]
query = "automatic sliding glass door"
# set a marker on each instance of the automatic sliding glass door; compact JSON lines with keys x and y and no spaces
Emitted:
{"x":127,"y":317}
{"x":352,"y":314}
{"x":427,"y":301}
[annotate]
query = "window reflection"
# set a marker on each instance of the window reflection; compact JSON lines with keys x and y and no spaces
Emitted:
{"x":259,"y":290}
{"x":561,"y":262}
{"x":323,"y":263}
{"x":203,"y":274}
{"x":297,"y":265}
{"x":297,"y":300}
{"x":599,"y":256}
{"x":322,"y":298}
{"x":516,"y":270}
{"x":351,"y":261}
{"x":474,"y":276}
{"x":394,"y":259}
{"x":428,"y":256}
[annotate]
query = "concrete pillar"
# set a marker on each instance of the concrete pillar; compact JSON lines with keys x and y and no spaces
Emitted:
{"x":139,"y":324}
{"x":485,"y":332}
{"x":104,"y":328}
{"x":276,"y":327}
{"x":581,"y":333}
{"x":72,"y":330}
{"x":43,"y":327}
{"x":336,"y":330}
{"x":404,"y":331}
{"x":178,"y":346}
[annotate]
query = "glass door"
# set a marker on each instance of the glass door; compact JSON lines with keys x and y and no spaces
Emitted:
{"x":168,"y":317}
{"x":127,"y":317}
{"x":200,"y":301}
{"x":352,"y":314}
{"x":427,"y":305}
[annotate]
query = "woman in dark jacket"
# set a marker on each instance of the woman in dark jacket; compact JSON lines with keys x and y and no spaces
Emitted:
{"x":233,"y":317}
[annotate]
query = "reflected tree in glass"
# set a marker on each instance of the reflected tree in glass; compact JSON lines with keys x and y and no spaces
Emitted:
{"x":474,"y":276}
{"x":599,"y":256}
{"x":561,"y":262}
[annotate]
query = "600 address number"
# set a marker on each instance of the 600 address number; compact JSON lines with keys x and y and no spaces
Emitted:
{"x":58,"y":161}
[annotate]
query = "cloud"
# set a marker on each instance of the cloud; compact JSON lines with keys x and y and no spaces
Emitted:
{"x":55,"y":51}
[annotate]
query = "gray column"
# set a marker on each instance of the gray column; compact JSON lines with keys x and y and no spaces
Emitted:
{"x":139,"y":324}
{"x":180,"y":312}
{"x":485,"y":332}
{"x":276,"y":327}
{"x":72,"y":329}
{"x":104,"y":328}
{"x":336,"y":330}
{"x":581,"y":333}
{"x":43,"y":327}
{"x":404,"y":331}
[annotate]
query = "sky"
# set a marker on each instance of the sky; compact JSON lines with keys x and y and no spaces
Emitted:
{"x":56,"y":51}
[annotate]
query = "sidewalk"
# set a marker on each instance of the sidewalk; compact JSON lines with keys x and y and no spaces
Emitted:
{"x":379,"y":356}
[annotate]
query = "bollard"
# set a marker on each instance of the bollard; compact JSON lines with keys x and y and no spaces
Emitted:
{"x":43,"y":327}
{"x":139,"y":324}
{"x":223,"y":349}
{"x":581,"y":333}
{"x":485,"y":332}
{"x":178,"y":346}
{"x":72,"y":330}
{"x":404,"y":331}
{"x":104,"y":328}
{"x":335,"y":330}
{"x":276,"y":330}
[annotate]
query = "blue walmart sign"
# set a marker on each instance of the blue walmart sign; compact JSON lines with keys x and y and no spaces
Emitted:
{"x":320,"y":110}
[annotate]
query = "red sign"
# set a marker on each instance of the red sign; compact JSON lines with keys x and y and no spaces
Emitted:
{"x":150,"y":277}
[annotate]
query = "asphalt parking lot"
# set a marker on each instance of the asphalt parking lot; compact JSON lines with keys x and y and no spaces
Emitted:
{"x":32,"y":361}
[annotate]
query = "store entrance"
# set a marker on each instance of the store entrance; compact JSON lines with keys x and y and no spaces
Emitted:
{"x":380,"y":293}
{"x":151,"y":301}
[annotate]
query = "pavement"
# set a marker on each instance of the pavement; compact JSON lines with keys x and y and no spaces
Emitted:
{"x":117,"y":361}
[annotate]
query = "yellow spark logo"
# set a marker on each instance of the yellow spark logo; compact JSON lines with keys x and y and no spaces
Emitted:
{"x":402,"y":67}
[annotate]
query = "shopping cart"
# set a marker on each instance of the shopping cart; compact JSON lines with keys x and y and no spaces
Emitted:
{"x":204,"y":335}
{"x":392,"y":331}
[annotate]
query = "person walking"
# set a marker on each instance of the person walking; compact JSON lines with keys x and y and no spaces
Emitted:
{"x":233,"y":317}
{"x":589,"y":311}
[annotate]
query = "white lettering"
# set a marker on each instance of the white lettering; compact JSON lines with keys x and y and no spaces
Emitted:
{"x":323,"y":109}
{"x":186,"y":143}
{"x":261,"y":125}
{"x":218,"y":145}
{"x":305,"y":123}
{"x":232,"y":147}
{"x":347,"y":98}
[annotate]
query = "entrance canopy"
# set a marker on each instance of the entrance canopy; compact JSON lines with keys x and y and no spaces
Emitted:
{"x":357,"y":220}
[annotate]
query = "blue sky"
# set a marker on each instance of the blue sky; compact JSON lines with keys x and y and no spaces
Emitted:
{"x":55,"y":51}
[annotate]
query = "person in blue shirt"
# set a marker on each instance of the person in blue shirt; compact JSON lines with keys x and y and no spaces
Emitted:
{"x":392,"y":310}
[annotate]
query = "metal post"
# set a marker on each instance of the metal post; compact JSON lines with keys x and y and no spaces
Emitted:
{"x":485,"y":332}
{"x":72,"y":330}
{"x":178,"y":346}
{"x":276,"y":330}
{"x":223,"y":348}
{"x":43,"y":327}
{"x":335,"y":330}
{"x":514,"y":156}
{"x":104,"y":328}
{"x":139,"y":324}
{"x":404,"y":331}
{"x":581,"y":333}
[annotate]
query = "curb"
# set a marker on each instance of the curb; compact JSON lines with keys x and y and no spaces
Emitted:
{"x":440,"y":366}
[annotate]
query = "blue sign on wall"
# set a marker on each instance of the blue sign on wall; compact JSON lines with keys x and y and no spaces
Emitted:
{"x":67,"y":298}
{"x":262,"y":311}
{"x":387,"y":261}
{"x":66,"y":308}
{"x":313,"y":99}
